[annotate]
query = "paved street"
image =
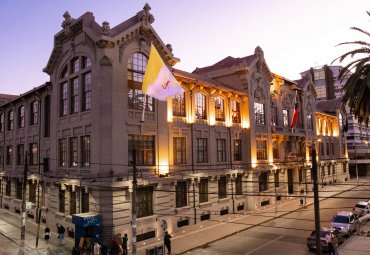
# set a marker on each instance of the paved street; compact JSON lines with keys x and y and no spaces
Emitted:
{"x":253,"y":233}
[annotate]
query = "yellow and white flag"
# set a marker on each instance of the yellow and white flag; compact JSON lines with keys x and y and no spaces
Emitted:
{"x":159,"y":82}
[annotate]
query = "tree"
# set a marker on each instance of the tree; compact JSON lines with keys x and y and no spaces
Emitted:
{"x":357,"y":87}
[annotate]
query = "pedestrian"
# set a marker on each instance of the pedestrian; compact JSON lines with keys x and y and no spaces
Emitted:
{"x":61,"y":231}
{"x":47,"y":235}
{"x":114,"y":248}
{"x":167,"y":242}
{"x":124,"y":244}
{"x":96,"y":249}
{"x":335,"y":245}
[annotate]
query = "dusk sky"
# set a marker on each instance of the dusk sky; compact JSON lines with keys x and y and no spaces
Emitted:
{"x":294,"y":34}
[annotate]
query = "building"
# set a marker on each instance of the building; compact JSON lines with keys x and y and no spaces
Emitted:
{"x":224,"y":146}
{"x":328,"y":87}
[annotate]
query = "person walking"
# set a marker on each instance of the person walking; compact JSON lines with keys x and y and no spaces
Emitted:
{"x":61,"y":231}
{"x":124,"y":244}
{"x":167,"y":242}
{"x":47,"y":235}
{"x":96,"y":249}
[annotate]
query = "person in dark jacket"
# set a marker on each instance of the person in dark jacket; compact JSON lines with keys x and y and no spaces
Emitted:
{"x":61,"y":231}
{"x":124,"y":244}
{"x":167,"y":242}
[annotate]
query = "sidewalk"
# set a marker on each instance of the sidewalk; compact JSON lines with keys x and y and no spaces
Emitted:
{"x":183,"y":240}
{"x":9,"y":227}
{"x":359,"y":243}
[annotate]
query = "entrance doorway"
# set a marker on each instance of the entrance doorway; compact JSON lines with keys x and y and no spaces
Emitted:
{"x":290,"y":181}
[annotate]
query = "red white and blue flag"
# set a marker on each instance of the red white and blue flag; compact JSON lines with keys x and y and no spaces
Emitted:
{"x":295,"y":113}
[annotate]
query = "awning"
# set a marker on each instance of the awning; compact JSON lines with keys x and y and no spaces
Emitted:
{"x":86,"y":219}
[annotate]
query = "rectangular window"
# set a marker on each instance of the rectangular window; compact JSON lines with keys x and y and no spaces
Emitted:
{"x":181,"y":194}
{"x":85,"y":151}
{"x":179,"y":150}
{"x":221,"y":150}
{"x":235,"y":112}
{"x":178,"y":105}
{"x":259,"y":113}
{"x":274,"y":121}
{"x":144,"y":201}
{"x":8,"y":188}
{"x":263,"y":181}
{"x":332,"y":148}
{"x":47,"y":116}
{"x":309,"y":122}
{"x":327,"y":149}
{"x":202,"y":150}
{"x":19,"y":189}
{"x":203,"y":190}
{"x":34,"y":118}
{"x":33,"y":154}
{"x":9,"y":155}
{"x":237,"y":150}
{"x":62,"y":199}
{"x":239,"y":184}
{"x":46,"y":165}
{"x":200,"y":106}
{"x":144,"y":146}
{"x":275,"y":150}
{"x":63,"y":111}
{"x":277,"y":179}
{"x":20,"y":154}
{"x":285,"y":118}
{"x":86,"y":92}
{"x":63,"y":152}
{"x":2,"y":122}
{"x":261,"y":150}
{"x":85,"y":200}
{"x":72,"y":200}
{"x":21,"y":117}
{"x":222,"y":187}
{"x":300,"y":176}
{"x":32,"y":187}
{"x":73,"y":152}
{"x":74,"y":96}
{"x":219,"y":109}
{"x":321,"y":148}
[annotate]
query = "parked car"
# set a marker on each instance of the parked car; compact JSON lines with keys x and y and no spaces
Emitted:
{"x":344,"y":222}
{"x":361,"y":208}
{"x":324,"y":240}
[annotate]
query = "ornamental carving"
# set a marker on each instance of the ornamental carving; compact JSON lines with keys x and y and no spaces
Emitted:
{"x":105,"y":44}
{"x":258,"y":94}
{"x":287,"y":101}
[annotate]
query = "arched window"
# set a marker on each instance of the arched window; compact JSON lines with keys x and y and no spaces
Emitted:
{"x":20,"y":120}
{"x":10,"y":120}
{"x":219,"y":109}
{"x":136,"y":68}
{"x":75,"y":86}
{"x":34,"y":118}
{"x":200,"y":106}
{"x":235,"y":111}
{"x":178,"y":105}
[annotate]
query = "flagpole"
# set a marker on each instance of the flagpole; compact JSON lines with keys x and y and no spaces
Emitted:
{"x":143,"y":112}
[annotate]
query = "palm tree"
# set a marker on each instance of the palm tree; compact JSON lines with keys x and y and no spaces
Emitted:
{"x":357,"y":87}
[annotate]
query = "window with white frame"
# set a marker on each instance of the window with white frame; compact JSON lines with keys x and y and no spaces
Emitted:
{"x":200,"y":106}
{"x":259,"y":113}
{"x":219,"y":109}
{"x":261,"y":150}
{"x":136,"y":68}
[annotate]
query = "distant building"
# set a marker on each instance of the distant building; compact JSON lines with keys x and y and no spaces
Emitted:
{"x":328,"y":87}
{"x":223,"y":146}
